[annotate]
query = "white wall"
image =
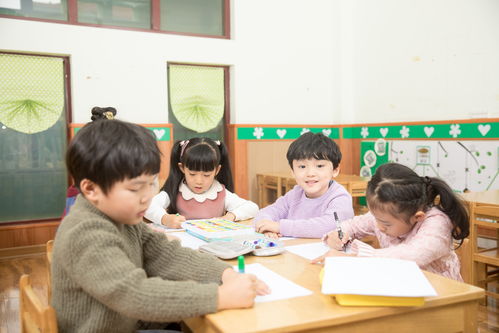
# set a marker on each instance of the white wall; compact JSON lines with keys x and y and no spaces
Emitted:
{"x":280,"y":56}
{"x":425,"y":60}
{"x":296,"y":61}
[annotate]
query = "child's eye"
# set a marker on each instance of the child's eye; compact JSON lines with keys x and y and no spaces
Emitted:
{"x":134,"y":190}
{"x":208,"y":175}
{"x":320,"y":165}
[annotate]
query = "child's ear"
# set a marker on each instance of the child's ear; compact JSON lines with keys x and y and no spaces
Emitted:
{"x":336,"y":171}
{"x":419,"y":216}
{"x":90,"y":190}
{"x":219,"y":167}
{"x":181,"y":167}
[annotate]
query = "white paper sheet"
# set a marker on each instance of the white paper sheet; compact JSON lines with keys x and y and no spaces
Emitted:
{"x":162,"y":228}
{"x":281,"y":288}
{"x":375,"y":277}
{"x":187,"y":240}
{"x":308,"y":251}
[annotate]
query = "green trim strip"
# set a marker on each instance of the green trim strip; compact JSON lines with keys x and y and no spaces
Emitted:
{"x":283,"y":133}
{"x":487,"y":130}
{"x":161,"y":133}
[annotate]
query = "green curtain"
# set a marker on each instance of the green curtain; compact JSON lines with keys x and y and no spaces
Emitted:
{"x":197,"y":96}
{"x":31,"y":92}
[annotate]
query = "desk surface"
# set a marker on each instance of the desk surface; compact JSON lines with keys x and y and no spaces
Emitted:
{"x":486,"y":197}
{"x":453,"y":310}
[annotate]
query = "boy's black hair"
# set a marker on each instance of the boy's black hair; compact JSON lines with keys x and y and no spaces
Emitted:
{"x":107,"y":152}
{"x":197,"y":154}
{"x":314,"y":145}
{"x":398,"y":190}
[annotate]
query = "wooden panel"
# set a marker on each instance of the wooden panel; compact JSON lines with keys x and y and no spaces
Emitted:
{"x":27,"y":234}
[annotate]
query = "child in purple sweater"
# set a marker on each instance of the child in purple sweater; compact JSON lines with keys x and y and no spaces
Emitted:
{"x":308,"y":209}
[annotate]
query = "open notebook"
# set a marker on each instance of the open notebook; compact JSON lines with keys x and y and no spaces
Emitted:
{"x":358,"y":281}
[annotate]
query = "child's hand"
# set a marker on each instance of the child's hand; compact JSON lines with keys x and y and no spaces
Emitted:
{"x":172,"y":221}
{"x":263,"y":226}
{"x":229,"y":216}
{"x":333,"y":241}
{"x":272,"y":235}
{"x":239,"y":291}
{"x":261,"y":288}
{"x":330,"y":253}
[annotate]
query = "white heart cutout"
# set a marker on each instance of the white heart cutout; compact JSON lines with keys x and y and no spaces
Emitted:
{"x":281,"y":133}
{"x":159,"y":133}
{"x":429,"y":131}
{"x":484,"y":129}
{"x":326,"y":131}
{"x":383,"y":131}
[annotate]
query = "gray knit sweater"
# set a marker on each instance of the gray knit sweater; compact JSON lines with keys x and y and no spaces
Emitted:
{"x":106,"y":276}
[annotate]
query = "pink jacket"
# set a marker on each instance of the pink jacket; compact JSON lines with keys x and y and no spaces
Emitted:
{"x":429,"y":243}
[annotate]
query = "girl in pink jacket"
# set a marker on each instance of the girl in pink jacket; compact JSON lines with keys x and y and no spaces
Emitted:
{"x":414,"y":218}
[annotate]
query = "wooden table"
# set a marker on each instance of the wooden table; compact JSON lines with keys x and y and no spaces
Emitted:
{"x":280,"y":183}
{"x":453,"y":310}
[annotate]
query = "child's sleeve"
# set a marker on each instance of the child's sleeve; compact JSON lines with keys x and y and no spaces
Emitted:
{"x":241,"y":208}
{"x":431,"y":242}
{"x":360,"y":226}
{"x":276,"y":211}
{"x":157,"y":208}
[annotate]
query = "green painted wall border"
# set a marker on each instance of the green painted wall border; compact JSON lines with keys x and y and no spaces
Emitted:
{"x":283,"y":132}
{"x":457,"y":130}
{"x":161,"y":133}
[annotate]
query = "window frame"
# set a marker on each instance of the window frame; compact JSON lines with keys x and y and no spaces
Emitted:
{"x":68,"y":113}
{"x":72,"y":7}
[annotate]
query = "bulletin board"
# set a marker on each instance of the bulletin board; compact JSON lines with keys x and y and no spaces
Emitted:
{"x":464,"y":165}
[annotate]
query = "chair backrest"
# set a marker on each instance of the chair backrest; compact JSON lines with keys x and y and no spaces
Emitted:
{"x":34,"y":317}
{"x":464,"y":255}
{"x":50,"y":245}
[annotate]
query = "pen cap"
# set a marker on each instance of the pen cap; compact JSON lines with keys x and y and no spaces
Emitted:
{"x":240,"y":264}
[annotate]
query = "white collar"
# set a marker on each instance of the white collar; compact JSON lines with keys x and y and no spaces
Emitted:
{"x":211,"y":193}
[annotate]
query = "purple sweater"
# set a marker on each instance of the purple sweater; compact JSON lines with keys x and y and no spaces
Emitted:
{"x":300,"y":216}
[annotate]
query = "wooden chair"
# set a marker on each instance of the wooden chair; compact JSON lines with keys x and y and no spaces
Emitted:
{"x":464,"y":255}
{"x":266,"y":183}
{"x":485,"y":261}
{"x":34,"y":317}
{"x":50,"y":245}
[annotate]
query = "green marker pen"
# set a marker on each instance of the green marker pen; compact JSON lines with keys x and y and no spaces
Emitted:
{"x":240,"y":264}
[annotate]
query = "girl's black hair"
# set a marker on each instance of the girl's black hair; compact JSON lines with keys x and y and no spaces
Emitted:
{"x":314,"y":145}
{"x":398,"y":190}
{"x":197,"y":154}
{"x":103,"y":113}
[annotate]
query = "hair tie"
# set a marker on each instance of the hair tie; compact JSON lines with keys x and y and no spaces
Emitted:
{"x":108,"y":115}
{"x":426,"y":180}
{"x":217,"y":142}
{"x":183,"y":144}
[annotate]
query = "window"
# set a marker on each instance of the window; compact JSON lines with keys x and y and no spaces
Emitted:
{"x":33,"y":127}
{"x":198,"y":98}
{"x":45,"y":9}
{"x":208,"y":18}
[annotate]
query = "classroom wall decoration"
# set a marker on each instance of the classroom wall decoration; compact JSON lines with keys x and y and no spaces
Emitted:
{"x":283,"y":133}
{"x":465,"y":165}
{"x":483,"y":130}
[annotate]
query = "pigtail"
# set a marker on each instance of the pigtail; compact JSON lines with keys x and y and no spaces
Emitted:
{"x":175,"y":177}
{"x":440,"y":193}
{"x":225,"y":174}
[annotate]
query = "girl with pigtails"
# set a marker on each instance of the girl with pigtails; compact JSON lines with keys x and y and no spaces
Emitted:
{"x":414,"y":218}
{"x":199,"y":186}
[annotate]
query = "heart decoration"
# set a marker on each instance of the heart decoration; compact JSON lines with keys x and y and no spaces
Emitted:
{"x":326,"y":131}
{"x":383,"y":131}
{"x":429,"y":131}
{"x":484,"y":129}
{"x":281,"y":133}
{"x":159,"y":133}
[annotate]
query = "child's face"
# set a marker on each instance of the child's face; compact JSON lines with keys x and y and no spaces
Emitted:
{"x":199,"y":181}
{"x":313,"y":176}
{"x":395,"y":226}
{"x":127,"y":201}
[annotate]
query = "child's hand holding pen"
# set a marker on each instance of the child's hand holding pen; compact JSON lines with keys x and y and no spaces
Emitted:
{"x":173,"y":221}
{"x":336,"y":239}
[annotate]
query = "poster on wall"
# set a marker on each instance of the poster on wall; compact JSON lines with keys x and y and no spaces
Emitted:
{"x":464,"y":165}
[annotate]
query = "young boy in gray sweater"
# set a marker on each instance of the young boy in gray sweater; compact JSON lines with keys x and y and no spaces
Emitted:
{"x":109,"y":270}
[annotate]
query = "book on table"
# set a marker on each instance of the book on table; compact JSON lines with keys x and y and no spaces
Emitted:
{"x":217,"y":229}
{"x":361,"y":281}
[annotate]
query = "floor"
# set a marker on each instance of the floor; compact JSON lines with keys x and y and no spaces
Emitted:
{"x":35,"y":265}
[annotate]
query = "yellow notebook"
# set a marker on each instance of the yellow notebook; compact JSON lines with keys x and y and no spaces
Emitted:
{"x":357,"y":281}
